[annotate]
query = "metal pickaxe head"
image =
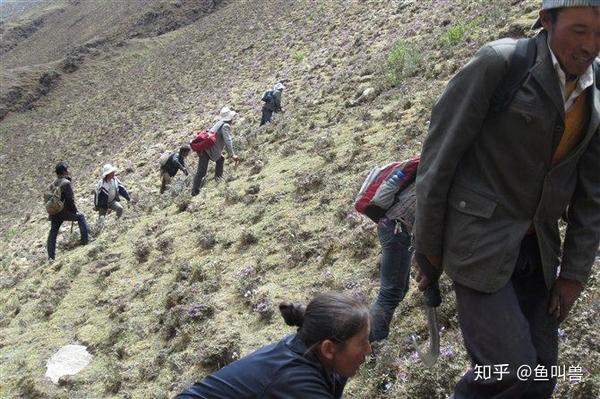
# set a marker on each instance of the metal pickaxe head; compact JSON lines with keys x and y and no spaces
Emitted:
{"x":432,"y":300}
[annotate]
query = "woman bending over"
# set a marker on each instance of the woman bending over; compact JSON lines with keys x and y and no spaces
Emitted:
{"x":331,"y":343}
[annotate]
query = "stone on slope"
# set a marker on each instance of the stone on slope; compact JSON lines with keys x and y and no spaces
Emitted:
{"x":69,"y":360}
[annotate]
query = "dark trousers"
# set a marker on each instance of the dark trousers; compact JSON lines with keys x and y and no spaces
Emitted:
{"x":55,"y":224}
{"x":202,"y":168}
{"x":511,"y":326}
{"x":267,"y":114}
{"x":394,"y":274}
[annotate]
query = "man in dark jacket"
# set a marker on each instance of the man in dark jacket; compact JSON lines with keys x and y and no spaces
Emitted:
{"x":174,"y":163}
{"x":491,"y":188}
{"x":272,"y":103}
{"x":69,"y":211}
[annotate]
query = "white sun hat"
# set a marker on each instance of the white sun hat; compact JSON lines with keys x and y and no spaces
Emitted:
{"x":226,"y":114}
{"x":107,"y":170}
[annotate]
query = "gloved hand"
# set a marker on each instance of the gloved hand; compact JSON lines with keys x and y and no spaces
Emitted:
{"x":185,"y":172}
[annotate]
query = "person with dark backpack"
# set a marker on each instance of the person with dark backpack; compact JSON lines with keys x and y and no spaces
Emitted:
{"x":65,"y":211}
{"x":221,"y":131}
{"x":272,"y":103}
{"x":495,"y":178}
{"x":172,"y":164}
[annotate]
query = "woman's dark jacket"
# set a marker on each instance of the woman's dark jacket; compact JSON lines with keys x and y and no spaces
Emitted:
{"x":174,"y":163}
{"x":283,"y":370}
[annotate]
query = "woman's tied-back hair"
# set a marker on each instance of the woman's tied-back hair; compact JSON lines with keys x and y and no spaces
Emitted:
{"x":332,"y":316}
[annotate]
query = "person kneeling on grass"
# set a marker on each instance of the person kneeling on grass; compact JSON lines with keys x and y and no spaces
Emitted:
{"x":173,"y":163}
{"x":331,"y":343}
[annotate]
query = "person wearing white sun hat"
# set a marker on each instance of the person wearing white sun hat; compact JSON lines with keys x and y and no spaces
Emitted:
{"x":108,"y":192}
{"x":224,"y":141}
{"x":272,"y":103}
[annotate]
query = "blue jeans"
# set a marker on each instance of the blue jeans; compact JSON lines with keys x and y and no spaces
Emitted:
{"x":396,"y":253}
{"x":55,"y":224}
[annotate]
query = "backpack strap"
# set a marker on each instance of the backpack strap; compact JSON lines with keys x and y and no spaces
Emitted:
{"x":220,"y":126}
{"x":60,"y":182}
{"x":521,"y":61}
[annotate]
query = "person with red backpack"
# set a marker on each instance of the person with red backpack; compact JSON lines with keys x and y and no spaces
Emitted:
{"x":222,"y":140}
{"x":68,"y":210}
{"x":388,"y":198}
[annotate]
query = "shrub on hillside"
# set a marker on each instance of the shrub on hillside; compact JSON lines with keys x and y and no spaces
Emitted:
{"x":404,"y":60}
{"x":221,"y":352}
{"x":9,"y":310}
{"x":231,"y":196}
{"x":182,"y":202}
{"x":298,"y":56}
{"x":457,"y":32}
{"x":248,"y":282}
{"x":289,"y":148}
{"x":247,"y":238}
{"x":112,"y":379}
{"x":142,"y":249}
{"x":180,"y":315}
{"x":165,"y":244}
{"x":264,"y":307}
{"x":27,"y":388}
{"x":307,"y":182}
{"x":207,"y":238}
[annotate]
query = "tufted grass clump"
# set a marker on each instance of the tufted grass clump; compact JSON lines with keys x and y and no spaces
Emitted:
{"x":142,"y":250}
{"x":404,"y":60}
{"x":457,"y":33}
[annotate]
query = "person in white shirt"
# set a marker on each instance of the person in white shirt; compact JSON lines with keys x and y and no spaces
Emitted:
{"x":108,"y":193}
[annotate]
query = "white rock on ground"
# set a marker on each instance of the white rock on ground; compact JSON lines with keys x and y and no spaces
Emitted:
{"x":69,"y":360}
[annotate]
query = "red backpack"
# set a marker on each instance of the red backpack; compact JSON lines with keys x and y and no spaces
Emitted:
{"x":375,"y":198}
{"x":203,"y":140}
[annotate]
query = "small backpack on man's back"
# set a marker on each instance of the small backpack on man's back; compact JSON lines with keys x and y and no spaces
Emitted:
{"x":203,"y":141}
{"x":164,"y":158}
{"x":382,"y":186}
{"x":268,"y":97}
{"x":53,"y":198}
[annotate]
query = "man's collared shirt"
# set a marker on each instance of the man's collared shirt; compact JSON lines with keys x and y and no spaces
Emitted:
{"x":583,"y":82}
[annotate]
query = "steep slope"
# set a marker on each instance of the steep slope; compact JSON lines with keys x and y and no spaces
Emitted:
{"x":53,"y":39}
{"x":183,"y":285}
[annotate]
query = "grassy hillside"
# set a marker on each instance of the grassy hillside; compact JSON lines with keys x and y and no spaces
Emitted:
{"x":182,"y":285}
